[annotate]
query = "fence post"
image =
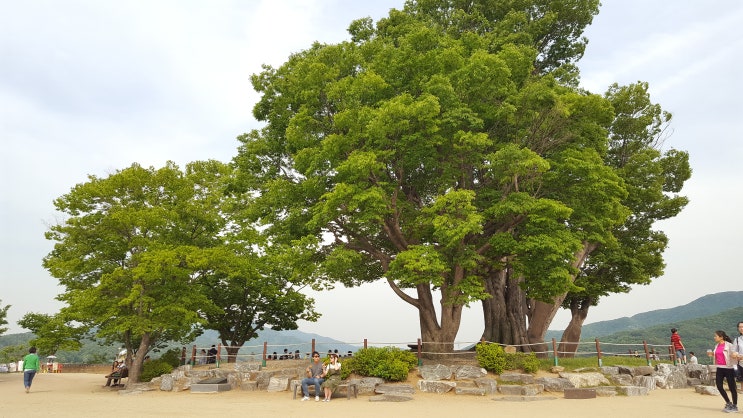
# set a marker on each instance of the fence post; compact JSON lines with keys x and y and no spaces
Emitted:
{"x":554,"y":352}
{"x":420,"y":360}
{"x":313,"y":347}
{"x":647,"y":353}
{"x":193,"y":356}
{"x":365,"y":343}
{"x":672,"y":354}
{"x":598,"y":352}
{"x":265,"y":353}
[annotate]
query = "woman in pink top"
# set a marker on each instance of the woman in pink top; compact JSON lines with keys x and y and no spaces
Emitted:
{"x":724,"y":360}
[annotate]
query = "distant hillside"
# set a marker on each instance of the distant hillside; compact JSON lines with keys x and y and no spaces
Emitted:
{"x":704,"y":306}
{"x":696,"y":334}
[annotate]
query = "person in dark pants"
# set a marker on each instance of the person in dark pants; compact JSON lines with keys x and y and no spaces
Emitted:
{"x":30,"y":367}
{"x":724,"y":357}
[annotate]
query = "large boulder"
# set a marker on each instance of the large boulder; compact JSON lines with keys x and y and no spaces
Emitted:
{"x":585,"y":380}
{"x":435,"y":372}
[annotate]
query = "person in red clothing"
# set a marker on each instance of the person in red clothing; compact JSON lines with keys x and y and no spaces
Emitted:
{"x":678,"y":346}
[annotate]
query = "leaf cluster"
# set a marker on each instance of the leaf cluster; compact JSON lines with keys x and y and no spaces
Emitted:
{"x":388,"y":363}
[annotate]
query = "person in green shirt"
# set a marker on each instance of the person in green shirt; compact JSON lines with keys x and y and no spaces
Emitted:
{"x":30,"y":367}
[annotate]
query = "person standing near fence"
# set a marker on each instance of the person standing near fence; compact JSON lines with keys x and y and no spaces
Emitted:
{"x":724,"y":357}
{"x":678,"y":346}
{"x":30,"y":367}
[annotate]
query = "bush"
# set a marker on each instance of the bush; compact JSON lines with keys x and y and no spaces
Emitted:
{"x":154,"y":368}
{"x":172,"y":357}
{"x":491,"y":357}
{"x":389,"y":363}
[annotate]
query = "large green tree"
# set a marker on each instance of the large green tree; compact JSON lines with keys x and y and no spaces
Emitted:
{"x":123,"y":253}
{"x":439,"y":154}
{"x":653,"y":178}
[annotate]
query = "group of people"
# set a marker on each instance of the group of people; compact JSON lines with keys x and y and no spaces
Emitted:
{"x":727,"y":355}
{"x":325,"y":377}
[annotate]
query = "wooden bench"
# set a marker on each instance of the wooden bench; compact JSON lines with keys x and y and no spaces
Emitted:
{"x":350,"y":386}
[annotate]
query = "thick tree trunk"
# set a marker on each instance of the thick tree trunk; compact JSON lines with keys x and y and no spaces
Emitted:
{"x":232,"y":349}
{"x":437,"y":338}
{"x":571,"y":336}
{"x":135,"y":369}
{"x":504,"y":313}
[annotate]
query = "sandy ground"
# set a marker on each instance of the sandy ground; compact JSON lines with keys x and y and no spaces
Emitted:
{"x":82,"y":395}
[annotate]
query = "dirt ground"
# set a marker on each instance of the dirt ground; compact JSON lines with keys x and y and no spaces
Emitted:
{"x":83,"y":395}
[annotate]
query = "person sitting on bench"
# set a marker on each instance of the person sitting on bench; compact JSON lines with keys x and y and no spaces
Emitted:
{"x":118,"y":371}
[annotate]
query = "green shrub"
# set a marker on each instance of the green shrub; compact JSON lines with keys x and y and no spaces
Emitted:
{"x":154,"y":368}
{"x":389,"y":363}
{"x":491,"y":357}
{"x":172,"y":357}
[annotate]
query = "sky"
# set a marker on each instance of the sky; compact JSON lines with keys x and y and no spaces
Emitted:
{"x":90,"y":87}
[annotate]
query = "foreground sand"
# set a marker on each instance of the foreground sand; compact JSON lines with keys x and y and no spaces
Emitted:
{"x":82,"y":395}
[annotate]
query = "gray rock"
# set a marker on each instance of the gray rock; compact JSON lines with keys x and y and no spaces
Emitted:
{"x":278,"y":384}
{"x":487,"y":384}
{"x":367,"y":385}
{"x":516,"y":377}
{"x":609,"y":370}
{"x":247,"y":367}
{"x":707,"y":390}
{"x":390,"y":388}
{"x":435,"y":386}
{"x":435,"y":372}
{"x":469,"y":372}
{"x":470,"y":391}
{"x":583,"y":380}
{"x":524,"y":398}
{"x":621,"y":380}
{"x":606,"y":391}
{"x":643,"y":371}
{"x":391,"y":397}
{"x":166,"y":383}
{"x":554,"y":384}
{"x":524,"y":390}
{"x":645,"y":381}
{"x":632,"y":390}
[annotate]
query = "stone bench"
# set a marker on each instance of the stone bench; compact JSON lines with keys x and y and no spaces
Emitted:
{"x":349,"y":386}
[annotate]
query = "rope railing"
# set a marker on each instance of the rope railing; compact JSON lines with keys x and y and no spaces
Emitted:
{"x":456,"y":349}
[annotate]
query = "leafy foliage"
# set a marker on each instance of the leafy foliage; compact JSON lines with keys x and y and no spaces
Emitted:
{"x":491,"y":357}
{"x":3,"y":316}
{"x":389,"y":363}
{"x":154,"y":368}
{"x":172,"y":357}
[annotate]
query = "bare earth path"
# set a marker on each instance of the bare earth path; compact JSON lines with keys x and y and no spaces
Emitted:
{"x":82,"y":395}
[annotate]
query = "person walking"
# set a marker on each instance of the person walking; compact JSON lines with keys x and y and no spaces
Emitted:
{"x":678,"y":346}
{"x":30,"y":367}
{"x":724,"y":357}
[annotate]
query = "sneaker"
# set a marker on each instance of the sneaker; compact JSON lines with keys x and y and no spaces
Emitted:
{"x":733,"y":408}
{"x":317,"y":399}
{"x":326,"y":400}
{"x":306,"y":398}
{"x":727,"y":407}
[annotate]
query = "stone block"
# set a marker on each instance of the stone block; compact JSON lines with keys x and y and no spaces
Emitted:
{"x":579,"y":393}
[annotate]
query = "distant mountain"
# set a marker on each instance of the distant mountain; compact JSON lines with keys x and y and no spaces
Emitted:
{"x":277,"y":341}
{"x":704,"y":306}
{"x":696,"y":334}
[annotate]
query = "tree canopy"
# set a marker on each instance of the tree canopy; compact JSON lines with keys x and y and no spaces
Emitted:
{"x":146,"y":256}
{"x":447,"y":149}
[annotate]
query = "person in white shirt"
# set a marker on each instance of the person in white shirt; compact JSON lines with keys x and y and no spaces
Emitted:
{"x":693,"y":358}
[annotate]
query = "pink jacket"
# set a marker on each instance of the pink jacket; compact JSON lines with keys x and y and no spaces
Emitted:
{"x":729,"y":361}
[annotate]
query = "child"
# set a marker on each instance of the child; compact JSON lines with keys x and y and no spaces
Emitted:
{"x":678,"y":346}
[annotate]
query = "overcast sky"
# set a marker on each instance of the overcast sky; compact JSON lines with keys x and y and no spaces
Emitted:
{"x":89,"y":87}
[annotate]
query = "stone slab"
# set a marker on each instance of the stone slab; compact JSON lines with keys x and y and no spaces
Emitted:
{"x":579,"y":393}
{"x":210,"y":387}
